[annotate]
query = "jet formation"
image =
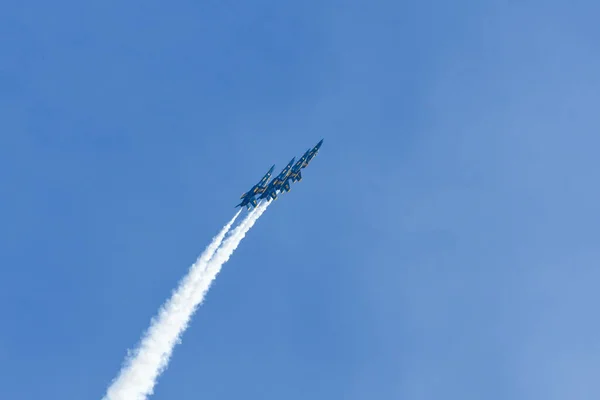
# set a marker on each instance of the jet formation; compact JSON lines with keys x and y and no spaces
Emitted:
{"x":266,"y":189}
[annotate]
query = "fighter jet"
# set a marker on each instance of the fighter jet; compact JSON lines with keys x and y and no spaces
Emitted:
{"x":249,"y":198}
{"x":296,"y":174}
{"x":312,"y":153}
{"x":279,"y":183}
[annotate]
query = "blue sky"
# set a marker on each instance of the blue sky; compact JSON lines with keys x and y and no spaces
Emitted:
{"x":444,"y":243}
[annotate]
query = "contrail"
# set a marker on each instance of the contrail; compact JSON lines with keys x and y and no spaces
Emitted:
{"x":142,"y":367}
{"x":227,"y":248}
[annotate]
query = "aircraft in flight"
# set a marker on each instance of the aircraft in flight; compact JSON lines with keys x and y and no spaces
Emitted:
{"x":279,"y":183}
{"x":296,"y":174}
{"x":249,"y":198}
{"x":313,"y":152}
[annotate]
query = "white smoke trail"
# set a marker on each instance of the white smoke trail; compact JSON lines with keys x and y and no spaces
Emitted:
{"x":227,"y":248}
{"x":138,"y":376}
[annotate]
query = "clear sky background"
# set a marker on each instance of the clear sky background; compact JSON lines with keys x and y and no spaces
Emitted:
{"x":444,"y":243}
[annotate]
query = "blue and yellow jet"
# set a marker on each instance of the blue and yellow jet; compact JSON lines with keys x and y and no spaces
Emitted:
{"x":296,"y":174}
{"x":279,"y":183}
{"x":249,"y":198}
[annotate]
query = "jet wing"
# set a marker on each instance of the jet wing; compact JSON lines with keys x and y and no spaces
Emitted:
{"x":296,"y":176}
{"x":269,"y":189}
{"x":260,"y":189}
